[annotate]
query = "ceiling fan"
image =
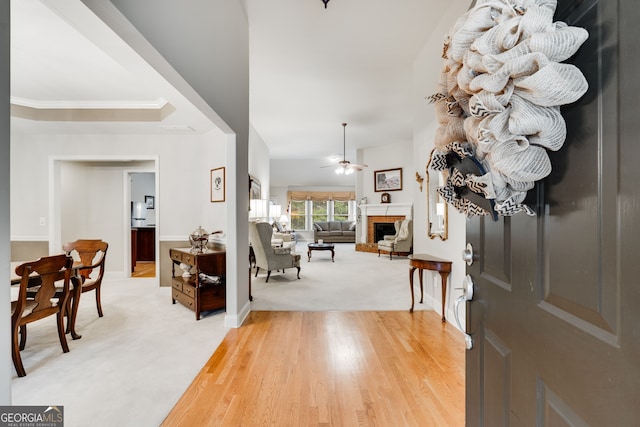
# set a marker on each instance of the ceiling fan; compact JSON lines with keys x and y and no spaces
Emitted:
{"x":345,"y":166}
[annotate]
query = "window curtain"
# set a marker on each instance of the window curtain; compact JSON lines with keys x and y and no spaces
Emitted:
{"x":320,"y":196}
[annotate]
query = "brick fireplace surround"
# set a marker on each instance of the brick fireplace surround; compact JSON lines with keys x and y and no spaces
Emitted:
{"x":373,"y":213}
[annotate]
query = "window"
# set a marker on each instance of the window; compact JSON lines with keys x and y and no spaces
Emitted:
{"x":319,"y":211}
{"x":340,"y":211}
{"x":313,"y":206}
{"x":298,"y":215}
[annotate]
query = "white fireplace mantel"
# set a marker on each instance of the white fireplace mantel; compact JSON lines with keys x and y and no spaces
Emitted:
{"x":382,"y":209}
{"x":387,"y":209}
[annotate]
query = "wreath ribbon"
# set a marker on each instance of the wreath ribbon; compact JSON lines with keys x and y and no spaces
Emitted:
{"x":498,"y":101}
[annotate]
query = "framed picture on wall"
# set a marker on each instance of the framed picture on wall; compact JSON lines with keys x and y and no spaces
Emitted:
{"x":150,"y":201}
{"x":388,"y":179}
{"x":218,"y":184}
{"x":255,"y":189}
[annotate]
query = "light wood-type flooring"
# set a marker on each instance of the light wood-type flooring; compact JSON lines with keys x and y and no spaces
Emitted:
{"x":385,"y":368}
{"x":144,"y":269}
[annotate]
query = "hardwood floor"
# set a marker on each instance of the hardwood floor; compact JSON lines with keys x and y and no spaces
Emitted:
{"x":330,"y":369}
{"x":144,"y":269}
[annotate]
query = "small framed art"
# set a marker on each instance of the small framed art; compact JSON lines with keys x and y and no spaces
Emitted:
{"x":218,"y":184}
{"x":255,"y":188}
{"x":388,"y":179}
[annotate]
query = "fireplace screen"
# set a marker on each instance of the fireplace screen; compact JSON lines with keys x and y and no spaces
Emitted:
{"x":382,"y":229}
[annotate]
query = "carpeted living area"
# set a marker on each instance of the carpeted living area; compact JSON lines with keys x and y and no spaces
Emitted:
{"x":131,"y":366}
{"x":355,"y":281}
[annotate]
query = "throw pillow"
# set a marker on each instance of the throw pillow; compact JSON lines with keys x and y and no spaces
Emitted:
{"x":335,"y":226}
{"x":352,"y":227}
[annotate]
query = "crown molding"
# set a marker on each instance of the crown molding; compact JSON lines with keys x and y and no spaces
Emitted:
{"x":91,"y":111}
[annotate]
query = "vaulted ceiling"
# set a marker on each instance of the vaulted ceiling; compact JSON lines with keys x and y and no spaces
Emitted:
{"x":314,"y":68}
{"x":311,"y":69}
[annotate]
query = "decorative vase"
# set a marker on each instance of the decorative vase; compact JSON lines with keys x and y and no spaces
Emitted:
{"x":187,"y":270}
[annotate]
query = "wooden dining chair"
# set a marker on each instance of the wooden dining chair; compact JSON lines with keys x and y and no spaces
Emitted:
{"x":47,"y":299}
{"x":92,"y":255}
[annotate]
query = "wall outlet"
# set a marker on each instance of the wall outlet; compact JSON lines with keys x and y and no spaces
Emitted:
{"x":43,"y":221}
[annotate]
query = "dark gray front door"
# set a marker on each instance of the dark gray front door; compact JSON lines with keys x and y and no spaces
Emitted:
{"x":555,"y":319}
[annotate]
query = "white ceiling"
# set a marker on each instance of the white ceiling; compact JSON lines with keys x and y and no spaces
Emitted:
{"x":311,"y":69}
{"x":76,"y":62}
{"x":314,"y":68}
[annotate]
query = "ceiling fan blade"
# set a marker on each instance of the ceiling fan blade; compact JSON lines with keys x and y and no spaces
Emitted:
{"x":357,"y":167}
{"x":344,"y":163}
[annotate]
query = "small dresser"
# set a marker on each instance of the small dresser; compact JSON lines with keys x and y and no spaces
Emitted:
{"x":199,"y":292}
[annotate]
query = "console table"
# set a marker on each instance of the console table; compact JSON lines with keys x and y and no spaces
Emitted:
{"x":195,"y":292}
{"x":428,"y":262}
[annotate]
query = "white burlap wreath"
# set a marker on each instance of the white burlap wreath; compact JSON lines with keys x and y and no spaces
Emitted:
{"x":499,"y":97}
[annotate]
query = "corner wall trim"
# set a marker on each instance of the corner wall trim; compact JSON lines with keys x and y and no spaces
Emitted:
{"x":235,"y":321}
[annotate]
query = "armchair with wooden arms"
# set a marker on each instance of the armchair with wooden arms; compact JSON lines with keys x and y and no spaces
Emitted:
{"x":401,"y":242}
{"x":92,"y":254}
{"x":267,"y":257}
{"x":45,"y":299}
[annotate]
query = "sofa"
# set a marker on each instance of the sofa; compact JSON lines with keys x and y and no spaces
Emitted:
{"x":334,"y":231}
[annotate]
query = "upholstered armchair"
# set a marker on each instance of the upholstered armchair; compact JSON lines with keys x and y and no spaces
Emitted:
{"x":280,"y":229}
{"x":401,"y":242}
{"x":268,"y":257}
{"x":283,"y":240}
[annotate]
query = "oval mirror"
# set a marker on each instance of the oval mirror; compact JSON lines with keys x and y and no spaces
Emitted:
{"x":437,"y":222}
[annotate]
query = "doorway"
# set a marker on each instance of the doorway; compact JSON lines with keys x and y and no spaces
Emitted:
{"x":143,"y":224}
{"x":91,"y":198}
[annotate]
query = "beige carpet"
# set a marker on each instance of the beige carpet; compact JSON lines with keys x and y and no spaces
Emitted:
{"x":131,"y":366}
{"x":354,"y":281}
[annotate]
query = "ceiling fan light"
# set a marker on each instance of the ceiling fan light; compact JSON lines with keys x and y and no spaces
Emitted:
{"x":345,"y":167}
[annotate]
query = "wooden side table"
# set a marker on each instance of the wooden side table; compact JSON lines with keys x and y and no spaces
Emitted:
{"x":428,"y":262}
{"x":193,"y":291}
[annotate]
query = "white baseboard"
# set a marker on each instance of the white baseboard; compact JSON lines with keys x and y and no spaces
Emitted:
{"x":435,"y":305}
{"x":236,"y":320}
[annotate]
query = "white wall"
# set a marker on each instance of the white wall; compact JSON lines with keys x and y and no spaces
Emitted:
{"x":183,"y":200}
{"x":308,"y":172}
{"x":392,"y":156}
{"x":278,"y":195}
{"x":99,"y":213}
{"x":259,"y":165}
{"x":426,"y":73}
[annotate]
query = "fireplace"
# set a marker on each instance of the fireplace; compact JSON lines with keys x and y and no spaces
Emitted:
{"x":375,"y":214}
{"x":381,"y":229}
{"x":374,"y":222}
